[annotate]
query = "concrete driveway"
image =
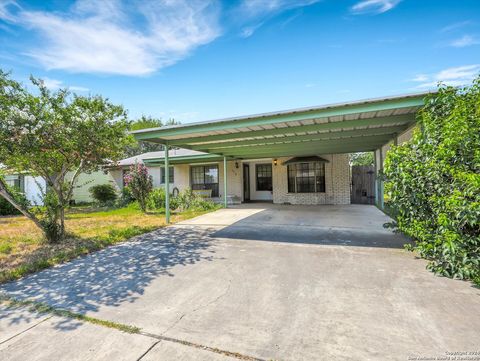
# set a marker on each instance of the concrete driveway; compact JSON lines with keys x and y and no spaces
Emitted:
{"x":256,"y":281}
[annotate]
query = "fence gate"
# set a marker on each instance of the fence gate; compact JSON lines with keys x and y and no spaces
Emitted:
{"x":363,"y":184}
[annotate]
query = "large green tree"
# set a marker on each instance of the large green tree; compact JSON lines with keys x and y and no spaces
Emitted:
{"x":56,"y":135}
{"x":139,"y":147}
{"x":434,"y":182}
{"x":362,"y":158}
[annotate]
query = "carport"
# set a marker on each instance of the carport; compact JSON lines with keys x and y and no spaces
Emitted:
{"x":360,"y":126}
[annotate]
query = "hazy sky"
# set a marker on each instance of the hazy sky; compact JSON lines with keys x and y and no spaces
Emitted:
{"x":199,"y":60}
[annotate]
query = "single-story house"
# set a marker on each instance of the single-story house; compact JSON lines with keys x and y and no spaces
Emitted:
{"x":34,"y":186}
{"x":297,"y":156}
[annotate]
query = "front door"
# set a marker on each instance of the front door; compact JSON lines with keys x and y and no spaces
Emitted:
{"x":246,"y":183}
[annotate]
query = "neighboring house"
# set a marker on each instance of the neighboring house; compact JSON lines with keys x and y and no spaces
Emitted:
{"x":32,"y":187}
{"x":81,"y":192}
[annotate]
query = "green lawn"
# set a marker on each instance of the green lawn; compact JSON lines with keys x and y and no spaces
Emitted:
{"x":23,"y":251}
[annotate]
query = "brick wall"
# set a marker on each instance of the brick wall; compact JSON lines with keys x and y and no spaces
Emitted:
{"x":337,"y":183}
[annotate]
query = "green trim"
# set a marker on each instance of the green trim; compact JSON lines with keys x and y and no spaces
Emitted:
{"x":350,"y":134}
{"x":184,"y":159}
{"x":278,"y":154}
{"x":346,"y":109}
{"x":167,"y":186}
{"x":311,"y":145}
{"x":404,"y":119}
{"x":225,"y":200}
{"x":293,"y":151}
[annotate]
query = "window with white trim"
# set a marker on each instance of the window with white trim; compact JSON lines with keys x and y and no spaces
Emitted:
{"x":264,"y":177}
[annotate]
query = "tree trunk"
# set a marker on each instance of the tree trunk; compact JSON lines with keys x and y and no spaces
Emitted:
{"x":62,"y":223}
{"x":5,"y":194}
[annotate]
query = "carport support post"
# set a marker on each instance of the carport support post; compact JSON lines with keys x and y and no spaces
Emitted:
{"x":167,"y":186}
{"x":376,"y":176}
{"x":381,"y":190}
{"x":225,"y":201}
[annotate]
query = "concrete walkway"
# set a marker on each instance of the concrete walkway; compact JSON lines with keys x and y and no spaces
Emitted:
{"x":259,"y":281}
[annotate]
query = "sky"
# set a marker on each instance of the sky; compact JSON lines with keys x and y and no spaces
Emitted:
{"x":198,"y":60}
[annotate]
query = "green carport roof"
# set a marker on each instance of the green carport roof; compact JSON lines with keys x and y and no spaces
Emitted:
{"x":339,"y":128}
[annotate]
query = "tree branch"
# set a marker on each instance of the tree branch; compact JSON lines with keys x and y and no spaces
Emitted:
{"x":73,"y":180}
{"x":4,"y":192}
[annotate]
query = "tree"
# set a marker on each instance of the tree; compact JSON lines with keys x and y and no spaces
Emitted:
{"x":50,"y":134}
{"x":363,"y":158}
{"x":140,"y":184}
{"x":434,"y":182}
{"x":139,"y":147}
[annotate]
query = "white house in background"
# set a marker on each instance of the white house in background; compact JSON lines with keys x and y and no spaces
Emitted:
{"x":32,"y":187}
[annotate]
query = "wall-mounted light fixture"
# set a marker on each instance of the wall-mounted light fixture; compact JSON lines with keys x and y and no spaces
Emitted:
{"x":275,"y":161}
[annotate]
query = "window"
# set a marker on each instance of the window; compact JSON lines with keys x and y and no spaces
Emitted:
{"x":15,"y":181}
{"x":170,"y":175}
{"x":205,"y":177}
{"x":264,"y":177}
{"x":306,"y":177}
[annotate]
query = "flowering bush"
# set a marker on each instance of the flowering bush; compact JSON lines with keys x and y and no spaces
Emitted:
{"x":140,"y":184}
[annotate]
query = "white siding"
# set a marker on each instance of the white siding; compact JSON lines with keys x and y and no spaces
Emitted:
{"x":84,"y":181}
{"x":34,"y":187}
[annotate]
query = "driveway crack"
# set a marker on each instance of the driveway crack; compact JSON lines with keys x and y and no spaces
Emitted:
{"x":149,"y":349}
{"x":26,"y":330}
{"x":216,"y":299}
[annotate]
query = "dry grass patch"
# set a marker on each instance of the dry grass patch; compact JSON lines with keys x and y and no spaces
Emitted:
{"x":23,"y":251}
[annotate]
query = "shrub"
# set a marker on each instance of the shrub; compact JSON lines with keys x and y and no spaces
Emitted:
{"x":125,"y":198}
{"x":434,"y":182}
{"x":140,"y":184}
{"x":156,"y":199}
{"x":6,"y":208}
{"x":190,"y":200}
{"x":103,"y":193}
{"x":186,"y":200}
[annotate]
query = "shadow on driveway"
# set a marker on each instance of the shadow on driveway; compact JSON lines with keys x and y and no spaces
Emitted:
{"x":114,"y":275}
